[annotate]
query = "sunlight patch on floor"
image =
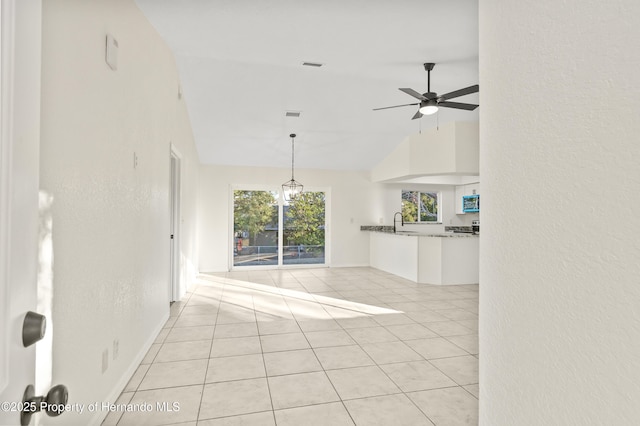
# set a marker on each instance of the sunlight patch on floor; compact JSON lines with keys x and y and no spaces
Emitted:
{"x":278,"y":303}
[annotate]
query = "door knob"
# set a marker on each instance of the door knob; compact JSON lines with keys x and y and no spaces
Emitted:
{"x":53,"y":403}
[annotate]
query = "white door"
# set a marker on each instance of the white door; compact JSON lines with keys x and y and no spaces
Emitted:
{"x":20,"y":25}
{"x":174,"y":241}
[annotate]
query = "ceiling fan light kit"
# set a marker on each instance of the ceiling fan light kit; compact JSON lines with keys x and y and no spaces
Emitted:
{"x":430,"y":101}
{"x":292,"y":188}
{"x":428,"y":109}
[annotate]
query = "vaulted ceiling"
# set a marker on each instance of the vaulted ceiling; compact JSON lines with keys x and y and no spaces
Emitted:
{"x":241,"y":70}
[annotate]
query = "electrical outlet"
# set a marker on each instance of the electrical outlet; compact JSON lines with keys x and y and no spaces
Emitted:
{"x":135,"y":160}
{"x":116,"y":349}
{"x":105,"y":360}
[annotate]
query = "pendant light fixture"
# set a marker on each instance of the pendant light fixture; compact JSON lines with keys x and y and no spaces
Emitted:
{"x":292,"y":188}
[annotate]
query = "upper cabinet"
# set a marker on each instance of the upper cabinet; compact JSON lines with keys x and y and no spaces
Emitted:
{"x":451,"y":152}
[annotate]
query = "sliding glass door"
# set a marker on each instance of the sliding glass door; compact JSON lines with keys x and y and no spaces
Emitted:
{"x":255,"y":227}
{"x":270,"y":231}
{"x":304,"y":229}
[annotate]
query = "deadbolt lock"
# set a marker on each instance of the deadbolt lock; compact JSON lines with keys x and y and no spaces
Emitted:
{"x":33,"y":328}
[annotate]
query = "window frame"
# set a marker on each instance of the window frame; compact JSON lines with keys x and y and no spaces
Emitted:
{"x":438,"y":199}
{"x":281,"y":202}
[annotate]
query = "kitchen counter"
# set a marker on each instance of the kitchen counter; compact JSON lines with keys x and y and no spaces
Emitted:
{"x":441,"y":235}
{"x":447,"y":234}
{"x":428,"y":258}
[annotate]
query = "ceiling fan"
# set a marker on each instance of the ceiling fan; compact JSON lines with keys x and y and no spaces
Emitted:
{"x":430,"y":101}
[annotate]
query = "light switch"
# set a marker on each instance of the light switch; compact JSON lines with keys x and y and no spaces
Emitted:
{"x":111,"y":55}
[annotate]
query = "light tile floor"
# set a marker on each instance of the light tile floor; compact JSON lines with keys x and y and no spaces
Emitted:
{"x":322,"y":346}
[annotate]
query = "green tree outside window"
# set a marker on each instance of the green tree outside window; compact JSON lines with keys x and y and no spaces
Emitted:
{"x":419,"y":206}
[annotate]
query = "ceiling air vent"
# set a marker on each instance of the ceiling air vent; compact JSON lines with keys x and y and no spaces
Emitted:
{"x":295,"y":114}
{"x":312,"y":64}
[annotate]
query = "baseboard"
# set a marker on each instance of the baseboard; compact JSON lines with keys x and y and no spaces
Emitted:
{"x":352,"y":265}
{"x":100,"y":415}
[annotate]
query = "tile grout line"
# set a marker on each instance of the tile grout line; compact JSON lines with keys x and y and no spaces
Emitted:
{"x":137,"y":387}
{"x":326,"y":375}
{"x":206,"y":370}
{"x":264,"y":365}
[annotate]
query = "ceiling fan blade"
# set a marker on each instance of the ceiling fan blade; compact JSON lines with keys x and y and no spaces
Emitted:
{"x":413,"y":93}
{"x":418,"y":115}
{"x":395,"y":106}
{"x":466,"y":91}
{"x":458,"y":105}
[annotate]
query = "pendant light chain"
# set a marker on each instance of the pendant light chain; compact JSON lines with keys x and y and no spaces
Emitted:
{"x":293,"y":138}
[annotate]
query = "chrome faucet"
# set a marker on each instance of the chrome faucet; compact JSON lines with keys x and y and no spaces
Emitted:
{"x":394,"y":221}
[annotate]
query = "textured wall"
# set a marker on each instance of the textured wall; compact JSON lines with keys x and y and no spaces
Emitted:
{"x":110,"y":219}
{"x":559,"y":287}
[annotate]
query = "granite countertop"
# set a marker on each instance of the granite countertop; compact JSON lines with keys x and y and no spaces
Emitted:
{"x":449,"y":233}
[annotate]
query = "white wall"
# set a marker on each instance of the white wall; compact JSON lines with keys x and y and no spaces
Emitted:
{"x":559,"y":277}
{"x":355,"y":201}
{"x":449,"y":150}
{"x":110,"y":220}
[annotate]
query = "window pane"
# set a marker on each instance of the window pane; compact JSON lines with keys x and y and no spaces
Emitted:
{"x":304,"y":229}
{"x":410,"y":206}
{"x":428,"y":207}
{"x":255,"y":226}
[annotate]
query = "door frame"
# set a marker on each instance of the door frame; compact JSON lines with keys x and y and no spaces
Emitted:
{"x":20,"y":108}
{"x":280,"y":265}
{"x":175,"y":198}
{"x":6,"y":120}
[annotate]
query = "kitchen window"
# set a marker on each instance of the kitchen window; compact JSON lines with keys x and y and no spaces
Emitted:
{"x":420,"y":207}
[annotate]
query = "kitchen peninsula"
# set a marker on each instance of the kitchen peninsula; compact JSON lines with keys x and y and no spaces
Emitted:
{"x":427,"y":258}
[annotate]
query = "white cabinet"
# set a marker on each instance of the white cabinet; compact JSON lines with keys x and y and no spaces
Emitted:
{"x":462,"y":190}
{"x":396,"y":254}
{"x":436,"y":260}
{"x":459,"y":194}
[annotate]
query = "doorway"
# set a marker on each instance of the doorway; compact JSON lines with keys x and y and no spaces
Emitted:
{"x":174,"y":227}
